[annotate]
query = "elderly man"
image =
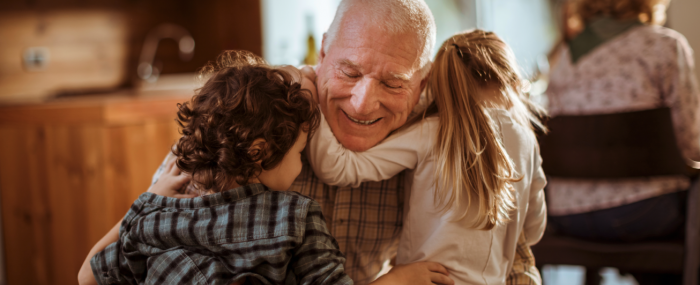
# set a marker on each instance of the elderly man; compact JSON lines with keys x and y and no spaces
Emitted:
{"x":372,"y":68}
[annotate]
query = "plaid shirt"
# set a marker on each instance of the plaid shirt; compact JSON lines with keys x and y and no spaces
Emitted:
{"x":366,"y":221}
{"x":270,"y":237}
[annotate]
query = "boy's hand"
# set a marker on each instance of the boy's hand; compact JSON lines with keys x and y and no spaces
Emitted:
{"x":171,"y":181}
{"x":416,"y":273}
{"x":309,"y":80}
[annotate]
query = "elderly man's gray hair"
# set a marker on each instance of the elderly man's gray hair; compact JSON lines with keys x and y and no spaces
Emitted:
{"x":395,"y":17}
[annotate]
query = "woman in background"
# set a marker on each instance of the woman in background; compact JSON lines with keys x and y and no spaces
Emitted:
{"x":624,"y":60}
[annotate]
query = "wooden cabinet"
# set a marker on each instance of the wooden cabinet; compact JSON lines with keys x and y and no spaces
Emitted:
{"x":69,"y":170}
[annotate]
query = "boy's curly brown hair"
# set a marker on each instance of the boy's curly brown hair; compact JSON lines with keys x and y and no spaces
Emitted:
{"x":243,"y":100}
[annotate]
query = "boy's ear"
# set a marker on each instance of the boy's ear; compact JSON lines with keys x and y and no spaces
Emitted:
{"x":256,"y":149}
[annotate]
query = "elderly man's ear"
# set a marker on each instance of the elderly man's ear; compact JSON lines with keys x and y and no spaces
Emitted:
{"x":424,"y":82}
{"x":322,"y":52}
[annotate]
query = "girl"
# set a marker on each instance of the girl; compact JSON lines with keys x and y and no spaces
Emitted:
{"x":476,"y":181}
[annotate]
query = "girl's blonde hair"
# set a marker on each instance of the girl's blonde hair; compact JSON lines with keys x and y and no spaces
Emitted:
{"x":470,"y":155}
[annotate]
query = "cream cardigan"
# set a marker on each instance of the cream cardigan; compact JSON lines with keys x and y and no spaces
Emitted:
{"x":471,"y":256}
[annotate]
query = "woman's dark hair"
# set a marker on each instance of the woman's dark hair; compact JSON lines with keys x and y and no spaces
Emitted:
{"x":617,"y":9}
{"x":243,"y":100}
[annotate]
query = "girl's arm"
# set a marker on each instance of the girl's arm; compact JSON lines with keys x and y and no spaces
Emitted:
{"x":536,"y":216}
{"x":167,"y":185}
{"x":336,"y":165}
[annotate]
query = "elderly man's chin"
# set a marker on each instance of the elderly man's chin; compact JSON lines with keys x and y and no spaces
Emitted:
{"x":360,"y":143}
{"x":358,"y":137}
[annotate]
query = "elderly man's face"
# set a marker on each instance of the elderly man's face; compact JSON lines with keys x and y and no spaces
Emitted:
{"x":368,"y":82}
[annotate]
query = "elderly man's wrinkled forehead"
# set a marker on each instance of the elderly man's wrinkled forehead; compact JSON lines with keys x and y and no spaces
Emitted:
{"x":408,"y":20}
{"x":358,"y":33}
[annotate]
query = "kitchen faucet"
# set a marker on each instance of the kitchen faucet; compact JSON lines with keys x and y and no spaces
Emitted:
{"x":146,"y":70}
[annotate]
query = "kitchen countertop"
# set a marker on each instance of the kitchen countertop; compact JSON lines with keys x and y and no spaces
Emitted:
{"x":111,"y":108}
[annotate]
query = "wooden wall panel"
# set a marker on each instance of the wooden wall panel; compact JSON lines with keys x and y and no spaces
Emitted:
{"x":71,"y":151}
{"x":26,"y":215}
{"x":96,"y":45}
{"x":98,"y":222}
{"x":35,"y":178}
{"x":15,"y":212}
{"x":64,"y":186}
{"x":117,"y":179}
{"x":85,"y":49}
{"x":160,"y":135}
{"x":135,"y":153}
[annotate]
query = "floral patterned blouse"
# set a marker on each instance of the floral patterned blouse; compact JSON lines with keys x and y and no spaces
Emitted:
{"x":646,"y":67}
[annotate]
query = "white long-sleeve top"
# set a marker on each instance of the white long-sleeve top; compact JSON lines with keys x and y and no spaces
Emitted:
{"x":472,"y":256}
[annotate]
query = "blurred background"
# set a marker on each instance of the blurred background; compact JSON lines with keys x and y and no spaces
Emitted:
{"x":88,"y":93}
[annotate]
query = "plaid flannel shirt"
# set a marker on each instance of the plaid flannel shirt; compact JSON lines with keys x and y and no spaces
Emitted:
{"x":268,"y":237}
{"x":366,"y":222}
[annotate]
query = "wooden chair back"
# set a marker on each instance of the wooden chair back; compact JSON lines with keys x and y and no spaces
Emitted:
{"x":623,"y":145}
{"x":633,"y":144}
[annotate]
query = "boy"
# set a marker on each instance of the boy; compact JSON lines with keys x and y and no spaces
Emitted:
{"x":243,"y":135}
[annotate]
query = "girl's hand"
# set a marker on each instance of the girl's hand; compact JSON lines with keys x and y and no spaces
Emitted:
{"x":306,"y":76}
{"x":428,"y":273}
{"x":308,"y":72}
{"x":309,"y":80}
{"x":171,"y":181}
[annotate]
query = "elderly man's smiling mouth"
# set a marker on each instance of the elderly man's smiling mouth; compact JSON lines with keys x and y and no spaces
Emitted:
{"x":362,"y":122}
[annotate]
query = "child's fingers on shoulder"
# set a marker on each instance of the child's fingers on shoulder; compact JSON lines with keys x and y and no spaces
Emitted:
{"x":183,"y":178}
{"x":170,"y":166}
{"x":175,"y":170}
{"x":293,"y":71}
{"x":308,"y":72}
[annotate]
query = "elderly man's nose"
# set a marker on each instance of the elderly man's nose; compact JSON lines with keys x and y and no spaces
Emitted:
{"x":364,"y":96}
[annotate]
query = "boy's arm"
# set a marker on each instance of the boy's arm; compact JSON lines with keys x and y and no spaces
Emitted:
{"x":318,"y":259}
{"x":171,"y":180}
{"x":85,"y":276}
{"x":336,"y":165}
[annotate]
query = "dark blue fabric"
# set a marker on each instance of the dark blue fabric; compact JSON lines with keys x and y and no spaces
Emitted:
{"x":659,"y":217}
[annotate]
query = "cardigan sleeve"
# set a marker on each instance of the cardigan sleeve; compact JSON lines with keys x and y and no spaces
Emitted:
{"x":336,"y":165}
{"x":679,"y":89}
{"x":536,"y":217}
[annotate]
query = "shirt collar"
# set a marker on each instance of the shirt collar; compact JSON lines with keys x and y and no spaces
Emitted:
{"x":211,"y":200}
{"x":597,"y":32}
